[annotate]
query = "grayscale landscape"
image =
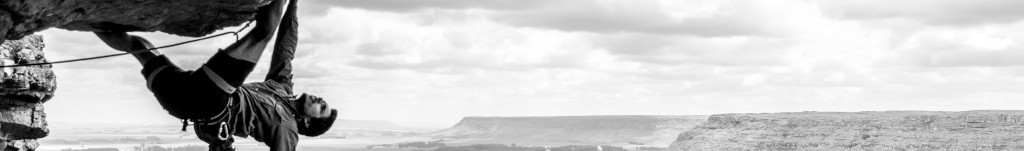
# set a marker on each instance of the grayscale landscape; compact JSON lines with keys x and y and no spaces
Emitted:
{"x":514,"y":75}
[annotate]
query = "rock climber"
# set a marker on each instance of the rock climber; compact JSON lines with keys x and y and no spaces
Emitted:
{"x":215,"y":98}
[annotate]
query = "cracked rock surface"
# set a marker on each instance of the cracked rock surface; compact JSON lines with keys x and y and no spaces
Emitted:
{"x":23,"y":90}
{"x":192,"y":18}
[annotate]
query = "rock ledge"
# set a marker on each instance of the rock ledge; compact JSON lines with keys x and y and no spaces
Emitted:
{"x":192,"y":18}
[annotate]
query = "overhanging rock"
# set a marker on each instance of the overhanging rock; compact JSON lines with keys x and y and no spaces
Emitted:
{"x":193,"y":18}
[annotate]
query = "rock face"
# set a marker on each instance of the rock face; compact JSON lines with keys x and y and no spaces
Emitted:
{"x":23,"y":90}
{"x":578,"y":129}
{"x":903,"y":130}
{"x":180,"y":17}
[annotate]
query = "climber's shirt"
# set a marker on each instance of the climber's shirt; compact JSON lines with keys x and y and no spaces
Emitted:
{"x":260,"y":110}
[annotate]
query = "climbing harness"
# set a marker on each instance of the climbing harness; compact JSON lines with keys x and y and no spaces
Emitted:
{"x":222,"y":129}
{"x":133,"y":51}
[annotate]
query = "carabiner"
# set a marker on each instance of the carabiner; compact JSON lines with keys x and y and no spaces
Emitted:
{"x":222,"y":132}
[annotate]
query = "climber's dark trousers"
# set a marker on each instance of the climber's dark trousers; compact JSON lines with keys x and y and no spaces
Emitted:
{"x":199,"y":94}
{"x":205,"y":92}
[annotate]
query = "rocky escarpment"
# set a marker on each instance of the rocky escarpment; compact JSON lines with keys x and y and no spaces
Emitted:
{"x":902,"y":130}
{"x":581,"y":129}
{"x":180,"y":17}
{"x":23,"y":90}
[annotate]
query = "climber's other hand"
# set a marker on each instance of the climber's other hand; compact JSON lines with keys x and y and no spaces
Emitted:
{"x":269,"y":17}
{"x":139,"y":43}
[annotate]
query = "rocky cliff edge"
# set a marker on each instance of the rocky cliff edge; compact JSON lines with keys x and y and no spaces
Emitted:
{"x":896,"y":130}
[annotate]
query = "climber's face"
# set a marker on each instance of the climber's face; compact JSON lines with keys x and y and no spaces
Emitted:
{"x":315,"y":107}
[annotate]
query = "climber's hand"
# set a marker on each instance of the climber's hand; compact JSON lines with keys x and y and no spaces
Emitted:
{"x":120,"y":41}
{"x":268,"y":18}
{"x":139,"y":43}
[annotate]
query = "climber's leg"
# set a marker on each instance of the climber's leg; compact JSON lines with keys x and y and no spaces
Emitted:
{"x":225,"y":72}
{"x":122,"y":41}
{"x":229,"y":67}
{"x":284,"y":49}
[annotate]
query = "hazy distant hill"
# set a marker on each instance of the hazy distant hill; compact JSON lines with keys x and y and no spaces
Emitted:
{"x":582,"y":129}
{"x":368,"y":124}
{"x":895,"y":130}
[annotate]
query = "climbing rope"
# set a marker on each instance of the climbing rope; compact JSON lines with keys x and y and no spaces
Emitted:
{"x":133,"y":51}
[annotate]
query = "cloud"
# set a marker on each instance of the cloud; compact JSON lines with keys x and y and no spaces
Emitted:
{"x":474,"y":62}
{"x":411,"y":5}
{"x":715,"y":19}
{"x":993,"y":46}
{"x":1006,"y":58}
{"x":384,"y":40}
{"x":696,"y":17}
{"x":674,"y":50}
{"x":933,"y":12}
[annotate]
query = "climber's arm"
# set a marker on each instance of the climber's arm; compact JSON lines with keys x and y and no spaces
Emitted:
{"x":250,"y":47}
{"x":284,"y":48}
{"x":127,"y":43}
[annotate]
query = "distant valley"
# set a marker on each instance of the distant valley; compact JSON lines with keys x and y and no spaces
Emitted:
{"x":888,"y":130}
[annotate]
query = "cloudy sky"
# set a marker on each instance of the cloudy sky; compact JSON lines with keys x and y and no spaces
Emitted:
{"x":432,"y":62}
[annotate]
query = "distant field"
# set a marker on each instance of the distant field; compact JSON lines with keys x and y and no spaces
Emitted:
{"x":306,"y":144}
{"x":128,"y":138}
{"x":629,"y":132}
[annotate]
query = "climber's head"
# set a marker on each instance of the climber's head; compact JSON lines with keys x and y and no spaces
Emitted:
{"x":312,"y":106}
{"x":317,"y":116}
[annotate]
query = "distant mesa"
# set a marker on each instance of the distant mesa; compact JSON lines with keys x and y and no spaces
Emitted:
{"x":893,"y":130}
{"x":576,"y":129}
